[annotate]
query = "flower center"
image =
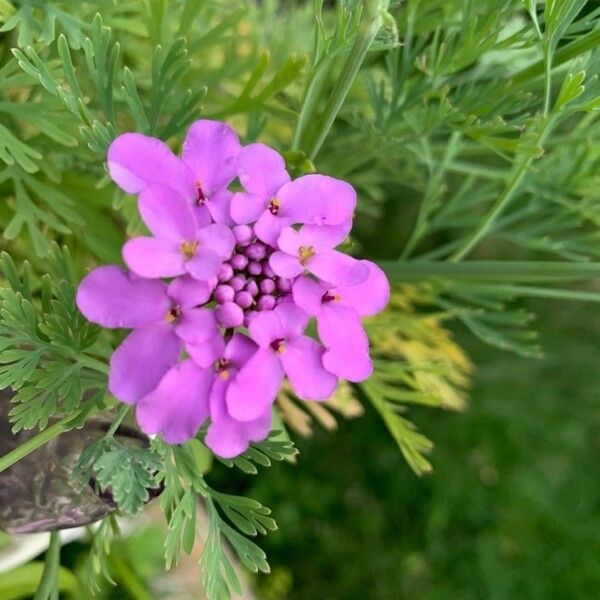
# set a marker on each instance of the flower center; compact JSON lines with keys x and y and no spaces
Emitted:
{"x":222,"y":368}
{"x":200,"y":197}
{"x":174,"y":314}
{"x":274,"y":206}
{"x":278,"y":345}
{"x":188,"y":248}
{"x":327,"y":297}
{"x":306,"y":253}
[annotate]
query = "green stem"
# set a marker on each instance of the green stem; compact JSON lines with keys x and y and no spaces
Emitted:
{"x":490,"y":271}
{"x":118,"y":419}
{"x":92,"y":363}
{"x":504,"y":199}
{"x":563,"y":55}
{"x":370,"y":25}
{"x":48,"y":588}
{"x":38,"y":441}
{"x":547,"y":79}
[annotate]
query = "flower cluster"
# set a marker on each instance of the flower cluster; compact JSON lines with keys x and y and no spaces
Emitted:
{"x":220,"y":294}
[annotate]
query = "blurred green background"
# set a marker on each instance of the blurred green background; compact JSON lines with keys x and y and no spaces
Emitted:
{"x":510,"y":512}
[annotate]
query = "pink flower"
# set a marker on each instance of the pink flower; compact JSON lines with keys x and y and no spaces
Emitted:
{"x":180,"y":244}
{"x":233,"y":261}
{"x":338,"y":311}
{"x":207,"y":166}
{"x":310,"y":250}
{"x":283,"y":350}
{"x":162,"y":318}
{"x":274,"y":202}
{"x":188,"y":394}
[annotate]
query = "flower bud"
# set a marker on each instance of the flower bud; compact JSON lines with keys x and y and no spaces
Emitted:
{"x":252,"y":287}
{"x":267,"y":286}
{"x":238,"y":282}
{"x":254,"y":268}
{"x":239,"y":261}
{"x":225,"y":272}
{"x":224,"y":293}
{"x":266,"y":302}
{"x":243,"y":234}
{"x":230,"y":315}
{"x":244,"y":299}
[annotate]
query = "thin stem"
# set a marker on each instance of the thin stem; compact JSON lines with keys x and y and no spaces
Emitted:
{"x":48,"y":588}
{"x":503,"y":200}
{"x":118,"y":420}
{"x":38,"y":441}
{"x":566,"y":53}
{"x":491,"y":271}
{"x":93,"y":363}
{"x":547,"y":79}
{"x":370,"y":25}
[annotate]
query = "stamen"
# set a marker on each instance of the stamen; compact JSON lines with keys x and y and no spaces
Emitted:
{"x":305,"y":253}
{"x":222,"y":368}
{"x":200,"y":197}
{"x":174,"y":314}
{"x":278,"y":346}
{"x":327,"y":297}
{"x":189,"y":248}
{"x":274,"y":206}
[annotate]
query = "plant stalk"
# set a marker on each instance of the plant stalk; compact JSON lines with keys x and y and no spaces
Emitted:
{"x":370,"y":25}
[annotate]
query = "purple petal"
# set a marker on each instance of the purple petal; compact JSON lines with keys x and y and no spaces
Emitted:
{"x":253,"y":390}
{"x":219,"y":207}
{"x":317,"y":200}
{"x":318,"y":237}
{"x":247,"y":208}
{"x":262,"y":170}
{"x":197,"y":325}
{"x":188,"y":292}
{"x":227,"y":437}
{"x":110,"y":297}
{"x":239,"y":349}
{"x":338,"y":268}
{"x":268,"y":227}
{"x":210,"y":150}
{"x":292,"y":318}
{"x":209,"y":351}
{"x":347,"y":345}
{"x":285,"y":265}
{"x":265,"y":328}
{"x":139,"y":363}
{"x":218,"y":239}
{"x":302,"y":361}
{"x":136,"y":160}
{"x":204,"y":265}
{"x":167,"y":214}
{"x":369,"y":297}
{"x":179,"y":405}
{"x":154,"y":257}
{"x":203,"y":217}
{"x":308,"y":295}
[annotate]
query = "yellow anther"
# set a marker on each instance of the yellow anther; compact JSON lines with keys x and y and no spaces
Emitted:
{"x":274,"y":206}
{"x":306,"y":253}
{"x":188,"y":249}
{"x":173,"y":315}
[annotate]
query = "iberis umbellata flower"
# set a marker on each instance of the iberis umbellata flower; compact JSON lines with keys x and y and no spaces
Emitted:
{"x":219,"y":294}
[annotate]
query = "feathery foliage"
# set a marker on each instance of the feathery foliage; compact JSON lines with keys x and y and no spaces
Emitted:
{"x":468,"y":128}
